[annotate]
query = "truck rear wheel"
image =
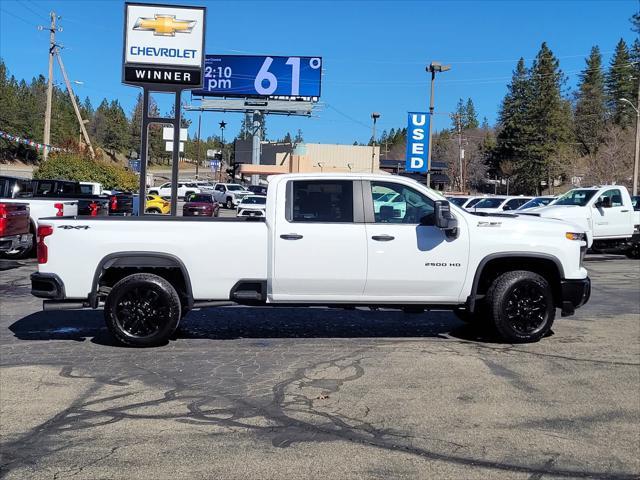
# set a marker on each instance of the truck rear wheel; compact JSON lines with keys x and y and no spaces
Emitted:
{"x":229,"y":203}
{"x":634,"y":251}
{"x":521,"y":306}
{"x":142,"y":310}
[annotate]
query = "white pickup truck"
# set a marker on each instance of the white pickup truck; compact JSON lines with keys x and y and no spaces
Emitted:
{"x":606,"y":213}
{"x":321,"y":243}
{"x":230,"y":194}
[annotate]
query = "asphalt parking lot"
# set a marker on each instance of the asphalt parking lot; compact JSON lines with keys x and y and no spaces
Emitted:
{"x":289,"y":393}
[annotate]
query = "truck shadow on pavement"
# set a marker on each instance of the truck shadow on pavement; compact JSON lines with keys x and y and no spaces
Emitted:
{"x":231,"y":323}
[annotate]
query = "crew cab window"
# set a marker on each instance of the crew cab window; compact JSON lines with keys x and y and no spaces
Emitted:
{"x":614,"y":195}
{"x":515,"y":203}
{"x":67,"y":187}
{"x":220,"y":188}
{"x":324,"y":201}
{"x":86,"y":189}
{"x":44,"y":188}
{"x":399,"y":203}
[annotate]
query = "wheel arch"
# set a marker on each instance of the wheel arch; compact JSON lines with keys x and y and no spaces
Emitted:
{"x":493,"y":265}
{"x":151,"y":262}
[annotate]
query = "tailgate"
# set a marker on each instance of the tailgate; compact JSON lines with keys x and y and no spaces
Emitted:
{"x":14,"y":219}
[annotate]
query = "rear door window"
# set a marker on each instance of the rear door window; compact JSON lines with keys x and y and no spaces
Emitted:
{"x":320,"y":201}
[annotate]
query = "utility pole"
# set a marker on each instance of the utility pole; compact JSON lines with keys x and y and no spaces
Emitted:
{"x":374,"y":116}
{"x":198,"y":144}
{"x":433,"y":68}
{"x":223,"y":125}
{"x":47,"y":114}
{"x":75,"y":104}
{"x":636,"y":159}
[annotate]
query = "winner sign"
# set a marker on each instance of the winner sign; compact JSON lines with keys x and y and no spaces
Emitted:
{"x":418,"y":142}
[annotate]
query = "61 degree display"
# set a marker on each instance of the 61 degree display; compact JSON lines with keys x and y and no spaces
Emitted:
{"x":252,"y":75}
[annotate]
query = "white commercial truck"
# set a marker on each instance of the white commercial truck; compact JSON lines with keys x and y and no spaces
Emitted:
{"x":605,"y":212}
{"x":321,"y":243}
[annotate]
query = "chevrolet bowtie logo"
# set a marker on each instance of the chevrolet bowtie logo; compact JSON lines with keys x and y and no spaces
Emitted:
{"x":165,"y":25}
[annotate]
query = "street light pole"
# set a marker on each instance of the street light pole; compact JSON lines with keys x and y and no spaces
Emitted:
{"x":433,"y":68}
{"x":374,"y":116}
{"x":637,"y":153}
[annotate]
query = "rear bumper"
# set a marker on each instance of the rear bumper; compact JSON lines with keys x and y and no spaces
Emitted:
{"x":575,"y":293}
{"x":47,"y":285}
{"x":13,"y":242}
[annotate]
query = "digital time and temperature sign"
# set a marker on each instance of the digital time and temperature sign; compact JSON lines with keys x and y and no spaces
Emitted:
{"x":261,"y":76}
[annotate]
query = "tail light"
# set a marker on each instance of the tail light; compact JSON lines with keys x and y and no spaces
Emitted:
{"x":113,"y":203}
{"x":3,"y":218}
{"x":93,"y":206}
{"x":43,"y":252}
{"x":60,"y":207}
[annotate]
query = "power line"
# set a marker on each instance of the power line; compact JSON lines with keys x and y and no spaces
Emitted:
{"x":18,"y":17}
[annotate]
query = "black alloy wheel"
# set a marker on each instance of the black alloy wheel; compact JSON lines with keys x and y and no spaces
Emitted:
{"x":142,"y":310}
{"x":521,"y":306}
{"x":526,"y":308}
{"x":229,"y":203}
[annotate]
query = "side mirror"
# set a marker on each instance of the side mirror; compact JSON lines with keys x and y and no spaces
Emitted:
{"x":443,"y":218}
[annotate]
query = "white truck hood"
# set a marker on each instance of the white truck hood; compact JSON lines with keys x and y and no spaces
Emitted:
{"x":579,"y":217}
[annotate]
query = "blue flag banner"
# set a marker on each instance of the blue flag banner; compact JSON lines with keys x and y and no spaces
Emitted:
{"x":418,"y":142}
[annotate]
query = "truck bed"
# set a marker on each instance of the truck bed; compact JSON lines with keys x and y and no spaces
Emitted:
{"x":216,"y":251}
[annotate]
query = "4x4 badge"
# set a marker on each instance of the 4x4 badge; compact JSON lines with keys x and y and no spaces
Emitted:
{"x":75,"y":227}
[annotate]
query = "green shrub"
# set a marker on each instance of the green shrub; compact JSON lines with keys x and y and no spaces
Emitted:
{"x":73,"y":166}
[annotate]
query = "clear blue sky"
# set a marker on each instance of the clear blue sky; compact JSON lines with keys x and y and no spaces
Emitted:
{"x":374,"y":51}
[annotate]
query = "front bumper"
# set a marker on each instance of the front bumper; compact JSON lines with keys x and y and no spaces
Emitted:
{"x":575,"y":293}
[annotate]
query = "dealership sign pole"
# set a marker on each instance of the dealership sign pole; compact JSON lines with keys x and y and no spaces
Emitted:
{"x":163,"y":52}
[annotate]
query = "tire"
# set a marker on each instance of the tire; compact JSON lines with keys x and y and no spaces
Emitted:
{"x":634,"y":251}
{"x":156,"y":315}
{"x":216,"y":212}
{"x":229,"y":203}
{"x":521,"y":305}
{"x":155,"y":211}
{"x":187,"y":194}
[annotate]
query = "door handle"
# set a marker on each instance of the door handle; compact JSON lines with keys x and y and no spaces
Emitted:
{"x":382,"y":238}
{"x":624,"y":211}
{"x":290,"y":236}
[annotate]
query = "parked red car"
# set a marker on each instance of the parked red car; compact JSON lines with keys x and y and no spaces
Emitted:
{"x":201,"y":205}
{"x":14,"y":226}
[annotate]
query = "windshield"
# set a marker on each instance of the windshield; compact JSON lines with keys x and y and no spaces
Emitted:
{"x":474,"y":202}
{"x":489,"y":203}
{"x":576,"y":197}
{"x":201,"y":198}
{"x":536,"y":202}
{"x":255,"y":200}
{"x":459,"y":201}
{"x":235,"y":188}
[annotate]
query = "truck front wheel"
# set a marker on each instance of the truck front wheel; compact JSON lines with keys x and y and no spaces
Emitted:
{"x":521,"y":306}
{"x":142,"y":310}
{"x":229,"y":203}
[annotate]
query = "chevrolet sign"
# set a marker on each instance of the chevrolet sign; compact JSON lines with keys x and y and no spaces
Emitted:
{"x":163,"y":45}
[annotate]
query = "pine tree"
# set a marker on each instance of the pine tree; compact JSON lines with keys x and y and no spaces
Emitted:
{"x":458,"y":118}
{"x":513,"y":139}
{"x":619,"y":84}
{"x":550,"y":121}
{"x":590,"y":114}
{"x":298,"y":138}
{"x":470,"y":116}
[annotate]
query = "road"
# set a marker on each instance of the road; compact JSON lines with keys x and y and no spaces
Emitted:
{"x":284,"y":393}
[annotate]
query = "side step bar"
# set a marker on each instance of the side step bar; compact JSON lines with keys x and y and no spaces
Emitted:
{"x":48,"y":305}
